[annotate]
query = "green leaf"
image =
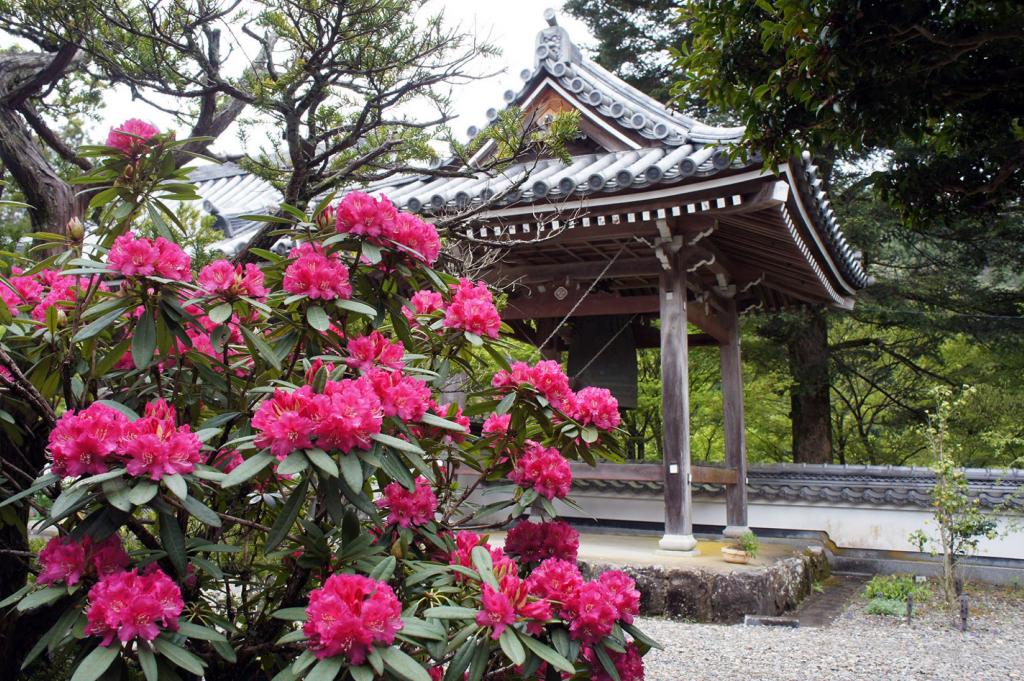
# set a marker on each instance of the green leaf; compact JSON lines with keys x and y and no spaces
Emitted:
{"x":417,"y":628}
{"x":144,"y":340}
{"x":16,"y":596}
{"x":505,"y":404}
{"x":361,"y":673}
{"x":40,"y":484}
{"x":473,"y":339}
{"x":403,"y":665}
{"x":589,"y":434}
{"x":126,"y":410}
{"x":323,"y":461}
{"x":511,"y":646}
{"x":259,"y":346}
{"x":450,"y":612}
{"x":142,"y":493}
{"x":397,"y":443}
{"x":545,"y":653}
{"x":325,"y":670}
{"x":201,"y":511}
{"x":286,"y":518}
{"x":173,"y":543}
{"x":371,"y":252}
{"x":220,"y":313}
{"x":67,"y":501}
{"x":247,"y":469}
{"x":290,"y":614}
{"x":179,"y":656}
{"x":94,"y":328}
{"x":193,"y":630}
{"x":317,"y":318}
{"x":177,"y":485}
{"x":434,"y":420}
{"x":95,"y":663}
{"x":606,"y":662}
{"x":357,"y":307}
{"x":352,"y":470}
{"x":296,"y":462}
{"x":41,"y":597}
{"x":148,"y":663}
{"x":383,"y":570}
{"x":641,"y":637}
{"x":484,"y":565}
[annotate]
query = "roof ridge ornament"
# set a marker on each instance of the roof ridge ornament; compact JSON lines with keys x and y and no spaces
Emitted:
{"x":554,"y":46}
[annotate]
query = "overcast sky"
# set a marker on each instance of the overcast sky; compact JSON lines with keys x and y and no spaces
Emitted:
{"x":511,"y":26}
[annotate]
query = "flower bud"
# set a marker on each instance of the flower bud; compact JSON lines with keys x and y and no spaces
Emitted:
{"x":76,"y":230}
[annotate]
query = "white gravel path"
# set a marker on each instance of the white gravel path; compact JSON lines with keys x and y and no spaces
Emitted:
{"x":856,"y":647}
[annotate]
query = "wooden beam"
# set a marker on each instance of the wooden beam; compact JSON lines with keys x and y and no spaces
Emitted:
{"x":713,"y":475}
{"x":675,"y":408}
{"x":733,"y":421}
{"x":539,"y":274}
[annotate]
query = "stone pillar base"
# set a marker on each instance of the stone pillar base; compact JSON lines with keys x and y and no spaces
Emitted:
{"x":733,"y":531}
{"x":679,"y":544}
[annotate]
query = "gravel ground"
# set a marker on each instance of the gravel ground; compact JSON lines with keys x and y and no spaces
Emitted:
{"x":857,"y":646}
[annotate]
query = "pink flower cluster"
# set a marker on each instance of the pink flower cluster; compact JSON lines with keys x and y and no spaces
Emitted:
{"x":131,"y":137}
{"x":319,"y":276}
{"x":543,"y":469}
{"x":590,"y":405}
{"x":378,"y":220}
{"x":409,"y":509}
{"x":591,"y":608}
{"x":135,"y":256}
{"x":403,"y":396}
{"x":424,"y":302}
{"x":222,"y":278}
{"x":465,"y":542}
{"x":534,"y":542}
{"x":629,"y":664}
{"x":349,"y":614}
{"x":130,"y":605}
{"x":65,"y":560}
{"x":375,"y":349}
{"x":497,"y":424}
{"x":156,"y":447}
{"x":510,"y":603}
{"x":90,"y":441}
{"x":343,"y":417}
{"x":472,"y":309}
{"x":594,"y":406}
{"x":43,"y":290}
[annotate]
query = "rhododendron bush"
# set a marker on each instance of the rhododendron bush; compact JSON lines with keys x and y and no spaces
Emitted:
{"x":252,"y":470}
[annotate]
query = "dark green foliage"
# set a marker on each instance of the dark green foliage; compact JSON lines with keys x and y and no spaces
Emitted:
{"x":895,"y":588}
{"x":887,"y":607}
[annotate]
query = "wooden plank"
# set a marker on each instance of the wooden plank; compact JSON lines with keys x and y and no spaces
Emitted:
{"x":624,"y":472}
{"x":733,"y":420}
{"x":675,"y":396}
{"x":713,"y":475}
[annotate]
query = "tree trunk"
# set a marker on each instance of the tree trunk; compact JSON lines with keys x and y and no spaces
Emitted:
{"x":809,"y":398}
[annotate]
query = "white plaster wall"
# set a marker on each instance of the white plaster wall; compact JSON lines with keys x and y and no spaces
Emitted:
{"x":883,"y":528}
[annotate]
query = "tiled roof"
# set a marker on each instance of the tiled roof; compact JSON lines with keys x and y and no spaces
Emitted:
{"x":870,"y":485}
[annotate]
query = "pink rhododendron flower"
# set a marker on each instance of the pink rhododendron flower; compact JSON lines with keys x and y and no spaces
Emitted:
{"x":426,"y":302}
{"x":629,"y":664}
{"x":220,"y":277}
{"x":546,"y":376}
{"x":137,"y":139}
{"x":466,"y":541}
{"x":135,"y":256}
{"x":360,"y":213}
{"x":347,"y":414}
{"x":533,"y":542}
{"x":156,"y":447}
{"x":316,"y":275}
{"x":543,"y":469}
{"x":107,"y":556}
{"x":130,"y":605}
{"x":284,"y":422}
{"x":85,"y":443}
{"x":416,"y":237}
{"x":349,"y":614}
{"x":555,"y":580}
{"x":406,"y":397}
{"x":375,"y":349}
{"x":59,"y":289}
{"x":26,"y":290}
{"x":594,"y":406}
{"x":472,"y":309}
{"x":496,"y":611}
{"x":624,"y":594}
{"x":408,"y":509}
{"x":227,"y":460}
{"x":591,"y":612}
{"x":497,"y":424}
{"x":62,"y":560}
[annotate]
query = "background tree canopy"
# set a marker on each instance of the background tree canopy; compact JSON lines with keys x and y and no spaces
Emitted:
{"x":909,"y":110}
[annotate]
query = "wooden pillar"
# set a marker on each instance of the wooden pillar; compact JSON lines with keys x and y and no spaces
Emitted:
{"x":675,"y":408}
{"x":735,"y":435}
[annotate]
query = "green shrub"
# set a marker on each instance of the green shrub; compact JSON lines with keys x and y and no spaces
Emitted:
{"x":887,"y":606}
{"x":748,"y":542}
{"x":894,"y":588}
